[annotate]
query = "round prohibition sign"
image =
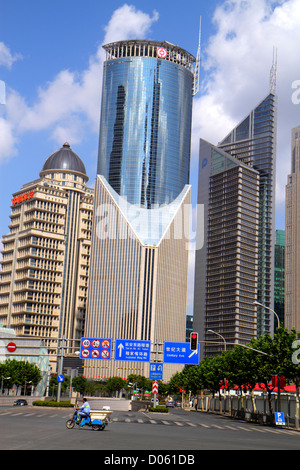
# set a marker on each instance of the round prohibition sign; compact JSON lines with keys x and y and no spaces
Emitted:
{"x":95,"y":343}
{"x":105,"y":344}
{"x":86,"y":343}
{"x":105,"y":354}
{"x":85,"y":353}
{"x":95,"y":353}
{"x":161,"y":52}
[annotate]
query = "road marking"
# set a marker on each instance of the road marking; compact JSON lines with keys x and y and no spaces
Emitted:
{"x":178,"y":423}
{"x":243,"y":429}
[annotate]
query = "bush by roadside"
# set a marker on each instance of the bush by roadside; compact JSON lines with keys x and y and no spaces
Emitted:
{"x":159,"y":409}
{"x":53,"y":403}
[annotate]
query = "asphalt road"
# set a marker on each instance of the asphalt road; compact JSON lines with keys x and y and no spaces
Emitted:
{"x":31,"y":428}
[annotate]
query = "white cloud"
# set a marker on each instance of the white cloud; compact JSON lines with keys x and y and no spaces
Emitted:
{"x":127,"y":22}
{"x":69,"y":104}
{"x":236,"y":63}
{"x":6,"y":57}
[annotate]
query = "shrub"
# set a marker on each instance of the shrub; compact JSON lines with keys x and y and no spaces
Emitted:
{"x":52,"y":403}
{"x":159,"y":409}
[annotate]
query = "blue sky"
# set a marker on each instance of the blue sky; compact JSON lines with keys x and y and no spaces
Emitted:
{"x":51,"y":60}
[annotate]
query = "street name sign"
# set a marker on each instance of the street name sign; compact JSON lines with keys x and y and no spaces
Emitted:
{"x":156,"y":371}
{"x":181,"y":353}
{"x":95,"y":348}
{"x":132,"y":350}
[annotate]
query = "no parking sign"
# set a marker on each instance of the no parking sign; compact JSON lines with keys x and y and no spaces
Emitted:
{"x":95,"y":348}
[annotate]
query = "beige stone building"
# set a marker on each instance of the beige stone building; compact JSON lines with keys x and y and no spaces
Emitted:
{"x":45,"y":257}
{"x":292,"y":238}
{"x":138,"y":278}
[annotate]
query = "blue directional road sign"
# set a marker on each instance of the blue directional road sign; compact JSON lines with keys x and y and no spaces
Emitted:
{"x":181,"y":353}
{"x":156,"y":371}
{"x":132,"y":350}
{"x":60,"y":378}
{"x":95,"y":348}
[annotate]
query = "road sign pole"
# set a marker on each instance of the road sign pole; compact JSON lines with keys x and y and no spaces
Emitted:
{"x":155,"y":390}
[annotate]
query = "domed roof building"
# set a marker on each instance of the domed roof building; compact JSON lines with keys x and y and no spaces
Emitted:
{"x":64,"y":160}
{"x":46,"y":255}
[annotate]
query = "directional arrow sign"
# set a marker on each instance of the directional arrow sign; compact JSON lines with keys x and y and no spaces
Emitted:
{"x":132,"y":350}
{"x":156,"y":371}
{"x":181,"y":353}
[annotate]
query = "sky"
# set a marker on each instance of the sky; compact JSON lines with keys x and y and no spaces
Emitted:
{"x":51,"y":60}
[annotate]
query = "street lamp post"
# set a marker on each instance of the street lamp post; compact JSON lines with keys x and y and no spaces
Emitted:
{"x":278,"y":325}
{"x":271,"y":310}
{"x":212,"y":331}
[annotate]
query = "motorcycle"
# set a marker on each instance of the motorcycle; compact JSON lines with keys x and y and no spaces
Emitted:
{"x":97,"y":420}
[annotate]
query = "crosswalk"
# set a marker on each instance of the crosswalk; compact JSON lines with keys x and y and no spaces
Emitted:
{"x":155,"y":420}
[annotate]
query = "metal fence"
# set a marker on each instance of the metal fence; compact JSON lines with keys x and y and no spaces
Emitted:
{"x":255,"y":410}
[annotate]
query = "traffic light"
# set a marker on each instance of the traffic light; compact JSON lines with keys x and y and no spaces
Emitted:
{"x":194,"y":341}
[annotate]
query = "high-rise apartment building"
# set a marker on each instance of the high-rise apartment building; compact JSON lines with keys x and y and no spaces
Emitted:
{"x":292,"y":237}
{"x":139,"y":253}
{"x":252,"y":144}
{"x":45,"y":257}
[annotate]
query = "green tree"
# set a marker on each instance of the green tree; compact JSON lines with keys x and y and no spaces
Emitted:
{"x":115,"y":384}
{"x":79,"y":384}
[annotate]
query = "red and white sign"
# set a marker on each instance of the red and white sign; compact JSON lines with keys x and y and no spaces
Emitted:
{"x":11,"y":347}
{"x":161,"y":52}
{"x":155,"y":387}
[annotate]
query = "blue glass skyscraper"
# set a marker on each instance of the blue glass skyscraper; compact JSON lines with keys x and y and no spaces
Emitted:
{"x":139,"y":253}
{"x":144,"y":149}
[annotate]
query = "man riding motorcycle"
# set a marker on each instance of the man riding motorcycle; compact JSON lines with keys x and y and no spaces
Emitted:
{"x":84,"y":410}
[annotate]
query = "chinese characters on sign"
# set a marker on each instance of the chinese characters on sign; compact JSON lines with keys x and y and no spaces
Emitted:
{"x":181,"y":353}
{"x":132,"y":350}
{"x":22,"y":197}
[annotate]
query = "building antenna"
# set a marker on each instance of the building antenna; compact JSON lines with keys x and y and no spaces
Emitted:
{"x":273,"y":72}
{"x":197,"y":65}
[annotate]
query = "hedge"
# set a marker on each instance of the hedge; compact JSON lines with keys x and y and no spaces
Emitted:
{"x":54,"y":404}
{"x":159,"y":409}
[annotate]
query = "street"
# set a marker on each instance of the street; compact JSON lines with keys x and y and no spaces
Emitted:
{"x":29,"y":428}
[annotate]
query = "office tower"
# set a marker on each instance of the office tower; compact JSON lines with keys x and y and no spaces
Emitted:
{"x":227,"y":265}
{"x":292,"y":237}
{"x":253,"y":144}
{"x":45,"y":257}
{"x":139,"y":253}
{"x":279,"y":275}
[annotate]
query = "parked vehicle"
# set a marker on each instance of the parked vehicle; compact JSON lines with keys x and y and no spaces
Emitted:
{"x":20,"y":402}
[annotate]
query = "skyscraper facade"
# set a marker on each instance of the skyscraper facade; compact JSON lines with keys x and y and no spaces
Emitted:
{"x":292,"y":237}
{"x":139,"y":255}
{"x":252,"y":144}
{"x":227,"y":266}
{"x":279,"y":275}
{"x":45,"y":257}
